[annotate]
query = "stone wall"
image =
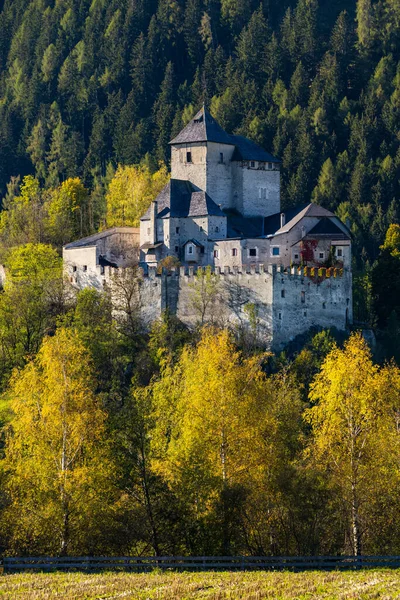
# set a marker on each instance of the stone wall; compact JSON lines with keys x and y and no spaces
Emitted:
{"x":254,"y":202}
{"x":287,"y":304}
{"x":195,"y":171}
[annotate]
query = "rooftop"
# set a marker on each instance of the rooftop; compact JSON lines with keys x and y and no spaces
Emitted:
{"x":181,"y":198}
{"x":204,"y":128}
{"x":92,"y":239}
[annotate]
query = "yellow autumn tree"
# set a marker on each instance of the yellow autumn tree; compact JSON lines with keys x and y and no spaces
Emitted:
{"x":217,"y":438}
{"x":68,"y":212}
{"x":130,"y":193}
{"x":57,"y":467}
{"x":354,"y":431}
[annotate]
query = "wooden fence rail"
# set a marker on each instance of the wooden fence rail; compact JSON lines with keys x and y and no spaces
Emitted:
{"x":198,"y":563}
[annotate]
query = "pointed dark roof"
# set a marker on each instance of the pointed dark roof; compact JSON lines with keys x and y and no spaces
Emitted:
{"x":326,"y":227}
{"x":202,"y":128}
{"x":180,"y":198}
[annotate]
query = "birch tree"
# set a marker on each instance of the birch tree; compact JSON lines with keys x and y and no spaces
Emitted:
{"x":58,"y":472}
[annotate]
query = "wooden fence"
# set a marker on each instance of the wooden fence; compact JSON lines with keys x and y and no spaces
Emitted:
{"x":198,"y":563}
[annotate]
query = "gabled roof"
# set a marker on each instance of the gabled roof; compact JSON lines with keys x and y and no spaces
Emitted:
{"x":194,"y":242}
{"x":202,"y":128}
{"x":311,"y":210}
{"x":326,"y":227}
{"x":91,"y":240}
{"x":180,"y":198}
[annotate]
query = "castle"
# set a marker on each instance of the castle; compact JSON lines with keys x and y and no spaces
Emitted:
{"x":221,"y":209}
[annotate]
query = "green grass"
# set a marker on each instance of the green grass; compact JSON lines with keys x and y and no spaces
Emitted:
{"x":361,"y":585}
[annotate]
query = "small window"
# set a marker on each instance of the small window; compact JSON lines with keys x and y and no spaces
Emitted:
{"x":324,"y":305}
{"x":217,"y":230}
{"x":176,"y":249}
{"x":321,"y":255}
{"x":280,"y":316}
{"x":303,"y":297}
{"x":282,"y":293}
{"x":305,"y":313}
{"x":270,"y":166}
{"x":275,"y":251}
{"x":202,"y":250}
{"x":148,"y":231}
{"x":339,"y":252}
{"x":177,"y":230}
{"x":221,"y":158}
{"x":190,"y":249}
{"x":253,"y":252}
{"x":74,"y":268}
{"x":188,"y":157}
{"x":296,"y":257}
{"x":200,"y":228}
{"x":216,"y":253}
{"x":262,"y":193}
{"x":234,"y":251}
{"x":252,"y":164}
{"x":85,"y":267}
{"x":102,"y":270}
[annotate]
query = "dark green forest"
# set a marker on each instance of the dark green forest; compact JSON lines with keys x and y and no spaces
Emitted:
{"x":84,"y":85}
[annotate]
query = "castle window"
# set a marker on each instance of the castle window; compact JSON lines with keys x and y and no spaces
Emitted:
{"x":188,"y":157}
{"x":202,"y":250}
{"x":74,"y":268}
{"x":282,"y":293}
{"x":102,"y":270}
{"x":280,"y":316}
{"x":221,"y":158}
{"x":276,"y":251}
{"x":177,"y":230}
{"x":217,"y":230}
{"x":303,"y":297}
{"x":324,"y":305}
{"x":84,"y":267}
{"x":253,"y":252}
{"x":216,"y":253}
{"x":262,"y":193}
{"x":176,"y":249}
{"x":234,"y":251}
{"x":252,"y":164}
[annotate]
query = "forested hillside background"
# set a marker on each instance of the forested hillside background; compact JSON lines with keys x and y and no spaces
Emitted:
{"x":86,"y":85}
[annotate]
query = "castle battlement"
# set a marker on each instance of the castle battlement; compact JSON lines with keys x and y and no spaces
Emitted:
{"x":314,"y":273}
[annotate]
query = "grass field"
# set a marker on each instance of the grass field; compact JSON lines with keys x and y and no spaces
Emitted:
{"x":360,"y":585}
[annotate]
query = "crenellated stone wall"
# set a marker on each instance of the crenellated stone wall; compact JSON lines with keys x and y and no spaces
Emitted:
{"x":287,"y":303}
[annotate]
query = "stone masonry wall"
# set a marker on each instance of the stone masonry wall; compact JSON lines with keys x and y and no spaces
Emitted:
{"x":287,"y":303}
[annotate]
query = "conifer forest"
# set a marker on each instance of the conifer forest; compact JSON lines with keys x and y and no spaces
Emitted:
{"x":117,"y":440}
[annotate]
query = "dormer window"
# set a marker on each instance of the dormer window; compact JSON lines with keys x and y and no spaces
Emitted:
{"x":188,"y":157}
{"x":190,"y":249}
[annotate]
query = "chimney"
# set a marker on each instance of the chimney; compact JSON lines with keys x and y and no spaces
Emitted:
{"x":153,"y":223}
{"x":283,"y":220}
